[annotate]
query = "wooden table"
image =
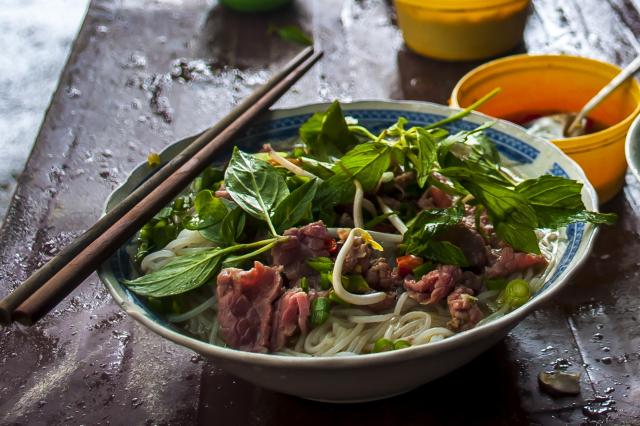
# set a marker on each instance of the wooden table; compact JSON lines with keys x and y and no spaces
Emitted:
{"x":145,"y":73}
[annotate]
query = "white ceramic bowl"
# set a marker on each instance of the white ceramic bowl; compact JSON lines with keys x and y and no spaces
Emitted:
{"x":632,"y":147}
{"x":373,"y":376}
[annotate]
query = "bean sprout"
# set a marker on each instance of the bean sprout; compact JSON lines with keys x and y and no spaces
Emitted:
{"x":341,"y":292}
{"x":393,"y":218}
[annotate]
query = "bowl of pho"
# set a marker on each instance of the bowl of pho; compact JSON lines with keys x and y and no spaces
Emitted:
{"x":350,"y":252}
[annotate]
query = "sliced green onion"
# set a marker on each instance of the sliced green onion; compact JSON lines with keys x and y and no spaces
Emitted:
{"x":383,"y":345}
{"x":335,"y":299}
{"x":515,"y":294}
{"x":319,"y":311}
{"x":419,"y":271}
{"x":320,"y":264}
{"x":401,"y":344}
{"x":325,"y":280}
{"x":355,"y":283}
{"x":304,"y":284}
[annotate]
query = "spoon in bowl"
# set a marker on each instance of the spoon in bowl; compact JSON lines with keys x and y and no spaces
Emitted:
{"x":563,"y":125}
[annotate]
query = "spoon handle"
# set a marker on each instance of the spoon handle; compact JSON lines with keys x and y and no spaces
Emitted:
{"x":627,"y":72}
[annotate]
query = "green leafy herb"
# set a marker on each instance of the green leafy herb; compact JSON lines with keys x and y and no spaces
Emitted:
{"x":558,"y":202}
{"x":209,"y":211}
{"x":420,"y":238}
{"x":365,"y":163}
{"x":296,"y":207}
{"x":182,"y":274}
{"x":255,"y":185}
{"x":188,"y":272}
{"x":427,"y":156}
{"x":291,"y":33}
{"x":326,"y":134}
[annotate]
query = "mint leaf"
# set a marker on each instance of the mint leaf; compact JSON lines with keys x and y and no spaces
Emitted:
{"x":420,"y":238}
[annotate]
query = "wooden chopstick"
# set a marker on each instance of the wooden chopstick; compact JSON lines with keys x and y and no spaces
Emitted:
{"x":38,"y":278}
{"x":96,"y":247}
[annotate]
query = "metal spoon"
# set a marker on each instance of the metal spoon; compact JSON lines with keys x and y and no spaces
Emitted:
{"x":564,"y":125}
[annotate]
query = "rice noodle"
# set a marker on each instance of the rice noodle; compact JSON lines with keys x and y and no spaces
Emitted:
{"x":211,"y":302}
{"x":186,"y":242}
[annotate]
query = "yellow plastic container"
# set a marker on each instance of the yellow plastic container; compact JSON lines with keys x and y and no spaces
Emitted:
{"x":560,"y":83}
{"x":459,"y":30}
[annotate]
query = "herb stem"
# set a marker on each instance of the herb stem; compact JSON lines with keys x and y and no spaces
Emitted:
{"x":362,"y":131}
{"x":257,"y":252}
{"x":457,"y":116}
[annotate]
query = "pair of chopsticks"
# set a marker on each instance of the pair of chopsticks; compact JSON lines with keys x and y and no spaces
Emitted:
{"x":50,"y":284}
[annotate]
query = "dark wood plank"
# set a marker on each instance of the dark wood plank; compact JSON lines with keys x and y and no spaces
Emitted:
{"x":146,"y":73}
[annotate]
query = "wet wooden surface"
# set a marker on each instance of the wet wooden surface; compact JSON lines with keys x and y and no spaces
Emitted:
{"x":124,"y":93}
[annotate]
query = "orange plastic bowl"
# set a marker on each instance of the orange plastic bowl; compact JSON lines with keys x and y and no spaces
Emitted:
{"x":544,"y":83}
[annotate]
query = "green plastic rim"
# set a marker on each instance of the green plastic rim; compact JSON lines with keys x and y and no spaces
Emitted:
{"x":254,"y":5}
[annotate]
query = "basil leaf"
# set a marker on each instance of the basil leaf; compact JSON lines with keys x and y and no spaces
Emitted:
{"x":255,"y":185}
{"x":227,"y":231}
{"x":318,"y":168}
{"x":209,"y":211}
{"x":427,"y":157}
{"x":182,"y":274}
{"x":326,"y":134}
{"x":291,"y":33}
{"x":366,"y":163}
{"x":295,"y":207}
{"x":337,"y":189}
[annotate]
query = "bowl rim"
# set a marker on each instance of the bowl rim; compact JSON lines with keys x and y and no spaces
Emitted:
{"x":632,"y":136}
{"x":367,"y":360}
{"x":526,"y":60}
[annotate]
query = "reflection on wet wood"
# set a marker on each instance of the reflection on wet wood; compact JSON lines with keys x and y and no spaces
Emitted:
{"x":145,"y":73}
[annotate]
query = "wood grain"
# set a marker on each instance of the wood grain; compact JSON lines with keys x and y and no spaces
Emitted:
{"x":88,"y":363}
